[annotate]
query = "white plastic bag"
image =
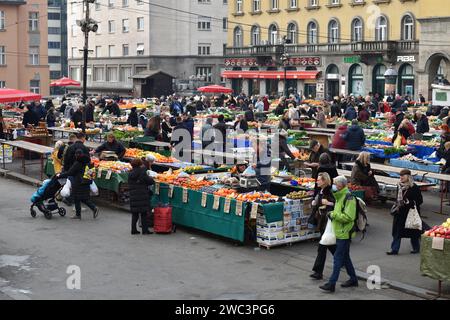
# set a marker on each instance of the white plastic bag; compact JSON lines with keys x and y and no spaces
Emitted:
{"x":413,"y":220}
{"x":94,"y":189}
{"x":65,"y":192}
{"x":328,"y":238}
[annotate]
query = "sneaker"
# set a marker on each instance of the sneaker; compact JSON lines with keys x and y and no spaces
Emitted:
{"x":415,"y":251}
{"x":147,"y":232}
{"x":135,"y":232}
{"x":82,"y":209}
{"x":316,"y":276}
{"x":328,"y":287}
{"x":95,"y":213}
{"x":392,"y":253}
{"x":349,"y":283}
{"x":75,"y":217}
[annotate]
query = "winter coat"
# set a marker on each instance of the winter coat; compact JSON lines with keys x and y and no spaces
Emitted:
{"x":249,"y":116}
{"x":243,"y":125}
{"x":166,"y":130}
{"x":414,"y":198}
{"x":338,"y":141}
{"x":51,"y":119}
{"x":90,"y":113}
{"x":69,"y":154}
{"x":80,"y":189}
{"x":350,"y":114}
{"x":320,"y":215}
{"x":284,"y":124}
{"x":30,"y":117}
{"x":422,"y":125}
{"x":77,"y":118}
{"x":343,"y":215}
{"x":355,"y":138}
{"x":133,"y":119}
{"x":279,"y":110}
{"x":363,"y":116}
{"x":398,"y":120}
{"x":330,"y":169}
{"x":314,"y":158}
{"x":360,"y":176}
{"x":284,"y":148}
{"x":336,"y":110}
{"x":138,"y":183}
{"x":115,"y":147}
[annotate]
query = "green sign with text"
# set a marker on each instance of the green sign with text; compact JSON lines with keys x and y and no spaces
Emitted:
{"x":355,"y":59}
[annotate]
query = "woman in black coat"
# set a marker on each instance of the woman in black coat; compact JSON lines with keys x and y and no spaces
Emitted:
{"x":325,"y":165}
{"x":80,"y":187}
{"x":362,"y":175}
{"x":133,"y":118}
{"x":409,"y":196}
{"x":138,"y":182}
{"x":323,"y":204}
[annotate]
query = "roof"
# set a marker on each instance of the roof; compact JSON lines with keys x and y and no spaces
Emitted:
{"x":149,"y":73}
{"x":13,"y":2}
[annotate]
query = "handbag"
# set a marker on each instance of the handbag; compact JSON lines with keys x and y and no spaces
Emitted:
{"x":413,"y":220}
{"x":328,"y":237}
{"x":394,"y":209}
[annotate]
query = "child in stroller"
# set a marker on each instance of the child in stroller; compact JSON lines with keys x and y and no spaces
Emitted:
{"x":44,"y":199}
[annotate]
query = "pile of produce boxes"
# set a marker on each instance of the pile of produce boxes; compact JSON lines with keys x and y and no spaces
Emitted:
{"x":293,"y":228}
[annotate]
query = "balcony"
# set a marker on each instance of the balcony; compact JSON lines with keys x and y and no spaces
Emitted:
{"x":363,"y":48}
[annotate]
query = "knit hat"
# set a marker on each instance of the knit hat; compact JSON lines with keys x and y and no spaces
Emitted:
{"x":405,"y":172}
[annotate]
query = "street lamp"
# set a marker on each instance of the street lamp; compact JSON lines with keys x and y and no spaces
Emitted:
{"x":285,"y":61}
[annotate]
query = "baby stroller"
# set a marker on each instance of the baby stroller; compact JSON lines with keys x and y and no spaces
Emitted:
{"x":44,"y":199}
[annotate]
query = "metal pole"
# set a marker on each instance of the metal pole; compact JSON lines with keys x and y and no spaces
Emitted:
{"x":85,"y":62}
{"x":285,"y":81}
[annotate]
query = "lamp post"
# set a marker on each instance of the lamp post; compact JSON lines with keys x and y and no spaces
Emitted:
{"x":285,"y":60}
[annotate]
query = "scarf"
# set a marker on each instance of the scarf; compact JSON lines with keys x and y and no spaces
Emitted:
{"x":403,"y":188}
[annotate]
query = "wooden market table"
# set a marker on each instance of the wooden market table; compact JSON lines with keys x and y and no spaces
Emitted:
{"x":89,"y":144}
{"x":157,"y":144}
{"x":69,"y":131}
{"x":32,"y":147}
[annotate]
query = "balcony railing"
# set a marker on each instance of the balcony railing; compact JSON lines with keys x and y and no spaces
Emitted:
{"x":365,"y":47}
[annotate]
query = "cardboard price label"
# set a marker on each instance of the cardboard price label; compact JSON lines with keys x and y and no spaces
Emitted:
{"x":226,"y":207}
{"x":108,"y":175}
{"x":99,"y":172}
{"x":438,"y":244}
{"x":216,"y":203}
{"x":254,"y":211}
{"x":157,"y":188}
{"x":171,"y":191}
{"x":185,"y":195}
{"x":239,"y":208}
{"x":204,"y":198}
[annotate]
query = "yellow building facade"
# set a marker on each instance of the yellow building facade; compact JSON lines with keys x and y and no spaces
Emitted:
{"x":332,"y":47}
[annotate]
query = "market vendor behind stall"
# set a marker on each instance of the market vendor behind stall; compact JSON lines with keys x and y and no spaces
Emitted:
{"x":363,"y":176}
{"x":112,"y":145}
{"x":316,"y":151}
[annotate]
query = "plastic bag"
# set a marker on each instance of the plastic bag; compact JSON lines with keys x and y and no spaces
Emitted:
{"x":152,"y":174}
{"x":328,"y":238}
{"x":94,"y":189}
{"x":413,"y":220}
{"x":65,"y":192}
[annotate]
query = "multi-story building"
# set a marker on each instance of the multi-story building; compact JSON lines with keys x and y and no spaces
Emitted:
{"x":185,"y":39}
{"x":332,"y":47}
{"x":57,"y":42}
{"x":23,"y":45}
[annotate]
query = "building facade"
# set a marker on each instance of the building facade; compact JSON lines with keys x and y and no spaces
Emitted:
{"x":57,"y":42}
{"x":185,"y":39}
{"x":333,"y":47}
{"x":23,"y":45}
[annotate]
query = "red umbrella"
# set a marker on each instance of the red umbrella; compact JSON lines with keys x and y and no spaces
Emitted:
{"x":215,"y":89}
{"x":64,"y":82}
{"x":13,"y":95}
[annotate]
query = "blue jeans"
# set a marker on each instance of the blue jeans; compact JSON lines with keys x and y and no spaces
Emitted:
{"x":395,"y":246}
{"x":342,"y":258}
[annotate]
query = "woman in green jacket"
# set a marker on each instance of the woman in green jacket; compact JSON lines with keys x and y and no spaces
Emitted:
{"x":342,"y":217}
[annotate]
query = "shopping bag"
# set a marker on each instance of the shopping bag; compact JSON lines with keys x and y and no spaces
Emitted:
{"x":413,"y":220}
{"x":398,"y":141}
{"x":328,"y":237}
{"x":94,"y":189}
{"x":65,"y":192}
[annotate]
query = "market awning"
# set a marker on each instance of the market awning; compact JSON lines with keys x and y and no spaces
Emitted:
{"x":64,"y":82}
{"x":301,"y":75}
{"x":215,"y":89}
{"x":13,"y":95}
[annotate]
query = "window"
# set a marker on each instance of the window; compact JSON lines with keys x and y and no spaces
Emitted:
{"x":2,"y":84}
{"x":74,"y":52}
{"x":256,"y":5}
{"x":381,"y":29}
{"x":75,"y":73}
{"x":140,"y":23}
{"x":55,"y":74}
{"x":111,"y":26}
{"x":204,"y":49}
{"x":237,"y":37}
{"x":125,"y":74}
{"x":313,"y":3}
{"x":333,"y":32}
{"x":124,"y":3}
{"x":54,"y":59}
{"x":111,"y":50}
{"x":204,"y":72}
{"x":73,"y":29}
{"x":111,"y":74}
{"x":256,"y":36}
{"x":2,"y":20}
{"x":408,"y":32}
{"x":99,"y":74}
{"x":312,"y":33}
{"x":292,"y":33}
{"x":204,"y":23}
{"x":273,"y":34}
{"x":139,"y":69}
{"x":125,"y":25}
{"x":125,"y":50}
{"x":34,"y":86}
{"x":357,"y":30}
{"x":97,"y":51}
{"x":225,"y":24}
{"x":54,"y":30}
{"x":54,"y":16}
{"x":274,"y":5}
{"x":110,"y":3}
{"x":34,"y":56}
{"x":238,"y":6}
{"x":140,"y":49}
{"x":54,"y":45}
{"x":204,"y":1}
{"x":293,"y":4}
{"x":2,"y":55}
{"x":335,"y":2}
{"x":33,"y":21}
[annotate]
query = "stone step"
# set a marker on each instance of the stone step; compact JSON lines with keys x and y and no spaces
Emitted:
{"x":23,"y":178}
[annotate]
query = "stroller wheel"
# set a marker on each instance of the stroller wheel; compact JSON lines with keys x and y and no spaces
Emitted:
{"x":48,"y":215}
{"x":62,"y":212}
{"x":33,"y":212}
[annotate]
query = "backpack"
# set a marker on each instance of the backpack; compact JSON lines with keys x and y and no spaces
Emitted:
{"x":360,"y":223}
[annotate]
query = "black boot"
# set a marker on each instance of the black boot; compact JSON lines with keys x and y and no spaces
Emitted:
{"x":328,"y":287}
{"x":349,"y":283}
{"x":316,"y":276}
{"x":135,"y":232}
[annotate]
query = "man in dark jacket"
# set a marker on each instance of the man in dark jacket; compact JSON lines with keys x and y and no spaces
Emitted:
{"x":249,"y":114}
{"x":69,"y":157}
{"x":112,"y":145}
{"x":398,"y":102}
{"x":189,"y":124}
{"x":222,"y":128}
{"x":355,"y":137}
{"x":90,"y":112}
{"x":113,"y":108}
{"x":77,"y":118}
{"x":363,"y":115}
{"x":422,"y":123}
{"x":133,"y":118}
{"x":399,"y":116}
{"x":30,"y":117}
{"x":316,"y":151}
{"x":350,"y":113}
{"x":336,"y":110}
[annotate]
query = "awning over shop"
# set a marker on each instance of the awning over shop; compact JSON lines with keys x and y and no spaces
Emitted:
{"x":13,"y":95}
{"x":300,"y":75}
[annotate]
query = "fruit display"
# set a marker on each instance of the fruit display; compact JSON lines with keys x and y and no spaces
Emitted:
{"x":127,"y":135}
{"x":138,"y":153}
{"x":302,"y":181}
{"x":298,"y":195}
{"x":410,"y":157}
{"x":431,"y":144}
{"x":301,"y":155}
{"x":114,"y":166}
{"x":262,"y":197}
{"x":192,"y":169}
{"x":226,"y":193}
{"x":442,"y":231}
{"x":393,"y":150}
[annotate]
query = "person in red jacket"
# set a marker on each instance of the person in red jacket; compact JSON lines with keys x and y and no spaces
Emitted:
{"x":266,"y":103}
{"x":363,"y":115}
{"x":338,"y":141}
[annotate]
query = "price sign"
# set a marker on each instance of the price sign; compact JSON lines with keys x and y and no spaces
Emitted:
{"x":99,"y":172}
{"x":438,"y":244}
{"x":254,"y":211}
{"x":216,"y":203}
{"x":226,"y":207}
{"x":171,"y":191}
{"x":204,"y":198}
{"x":239,"y":208}
{"x":108,"y":175}
{"x":157,"y":188}
{"x":185,"y":195}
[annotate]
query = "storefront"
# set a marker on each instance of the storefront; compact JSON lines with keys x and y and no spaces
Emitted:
{"x":356,"y":80}
{"x":332,"y":83}
{"x":406,"y":80}
{"x":379,"y":81}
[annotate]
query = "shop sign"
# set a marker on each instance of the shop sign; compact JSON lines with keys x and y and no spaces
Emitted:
{"x":252,"y":62}
{"x":406,"y":59}
{"x":332,"y":76}
{"x":354,"y":59}
{"x":244,"y":62}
